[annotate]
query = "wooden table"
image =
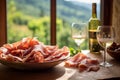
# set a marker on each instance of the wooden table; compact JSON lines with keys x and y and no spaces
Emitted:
{"x":59,"y":72}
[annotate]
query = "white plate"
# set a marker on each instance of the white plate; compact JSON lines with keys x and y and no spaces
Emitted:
{"x":33,"y":66}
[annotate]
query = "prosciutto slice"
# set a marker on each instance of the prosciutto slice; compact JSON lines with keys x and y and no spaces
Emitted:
{"x":82,"y":63}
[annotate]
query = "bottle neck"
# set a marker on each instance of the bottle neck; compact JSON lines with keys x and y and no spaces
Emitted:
{"x":94,"y":13}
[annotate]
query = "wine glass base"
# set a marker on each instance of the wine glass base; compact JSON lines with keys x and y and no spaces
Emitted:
{"x":105,"y":64}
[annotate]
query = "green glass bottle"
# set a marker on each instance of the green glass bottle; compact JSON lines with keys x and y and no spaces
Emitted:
{"x":94,"y":22}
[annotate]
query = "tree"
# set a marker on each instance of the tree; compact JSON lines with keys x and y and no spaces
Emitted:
{"x":11,"y":11}
{"x":40,"y":28}
{"x":33,"y":25}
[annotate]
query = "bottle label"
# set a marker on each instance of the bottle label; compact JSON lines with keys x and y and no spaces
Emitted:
{"x":94,"y":45}
{"x":92,"y":34}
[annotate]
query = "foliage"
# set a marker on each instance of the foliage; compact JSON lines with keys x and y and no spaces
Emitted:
{"x":33,"y":25}
{"x":16,"y":33}
{"x":40,"y":28}
{"x":19,"y":19}
{"x":74,"y":51}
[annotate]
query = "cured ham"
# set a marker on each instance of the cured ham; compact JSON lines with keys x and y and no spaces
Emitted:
{"x":59,"y":54}
{"x":32,"y":50}
{"x":82,"y":63}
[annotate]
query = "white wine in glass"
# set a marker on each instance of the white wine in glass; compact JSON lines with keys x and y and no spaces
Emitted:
{"x":105,"y":36}
{"x":79,"y":33}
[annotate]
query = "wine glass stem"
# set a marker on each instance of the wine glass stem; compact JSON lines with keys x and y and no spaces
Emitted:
{"x":79,"y":49}
{"x":104,"y":56}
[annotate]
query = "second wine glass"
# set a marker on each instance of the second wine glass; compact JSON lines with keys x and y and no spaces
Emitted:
{"x":79,"y":33}
{"x":105,"y":36}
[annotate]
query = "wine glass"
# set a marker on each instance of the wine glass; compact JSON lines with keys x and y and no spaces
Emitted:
{"x":79,"y":33}
{"x":105,"y":36}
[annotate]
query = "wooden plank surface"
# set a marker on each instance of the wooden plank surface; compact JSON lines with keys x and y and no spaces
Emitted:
{"x":61,"y":73}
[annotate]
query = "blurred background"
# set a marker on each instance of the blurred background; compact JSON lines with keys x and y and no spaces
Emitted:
{"x":31,"y":18}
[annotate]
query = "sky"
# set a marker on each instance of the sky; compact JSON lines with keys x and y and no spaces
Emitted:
{"x":86,"y":1}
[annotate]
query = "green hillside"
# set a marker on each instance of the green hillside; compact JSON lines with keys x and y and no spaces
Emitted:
{"x":68,"y":11}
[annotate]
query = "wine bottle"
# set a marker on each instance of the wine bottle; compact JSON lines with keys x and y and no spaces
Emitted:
{"x":94,"y":22}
